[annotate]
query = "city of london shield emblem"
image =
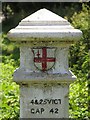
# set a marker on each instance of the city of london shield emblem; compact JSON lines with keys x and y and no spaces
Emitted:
{"x":44,"y":58}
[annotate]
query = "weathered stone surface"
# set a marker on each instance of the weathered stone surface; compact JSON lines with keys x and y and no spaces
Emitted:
{"x":44,"y":101}
{"x":28,"y":72}
{"x":44,"y":25}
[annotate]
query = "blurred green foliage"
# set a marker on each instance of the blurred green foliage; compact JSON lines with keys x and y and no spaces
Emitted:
{"x":10,"y":93}
{"x":80,"y":65}
{"x":79,"y":57}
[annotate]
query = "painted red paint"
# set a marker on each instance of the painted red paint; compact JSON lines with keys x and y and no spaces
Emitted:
{"x":44,"y":59}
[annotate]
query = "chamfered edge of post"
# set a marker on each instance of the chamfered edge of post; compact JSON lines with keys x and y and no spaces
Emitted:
{"x":46,"y":37}
{"x":31,"y":77}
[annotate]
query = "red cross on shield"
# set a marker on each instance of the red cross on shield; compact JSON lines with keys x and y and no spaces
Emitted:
{"x":44,"y":58}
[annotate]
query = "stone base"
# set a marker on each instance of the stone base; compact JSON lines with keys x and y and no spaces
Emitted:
{"x":44,"y":101}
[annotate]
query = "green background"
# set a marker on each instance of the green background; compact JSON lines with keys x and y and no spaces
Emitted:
{"x":79,"y":56}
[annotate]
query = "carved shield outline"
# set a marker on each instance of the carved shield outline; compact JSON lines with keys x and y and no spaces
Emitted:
{"x":39,"y":60}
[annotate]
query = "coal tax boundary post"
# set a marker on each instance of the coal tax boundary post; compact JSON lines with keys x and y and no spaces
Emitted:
{"x":44,"y":76}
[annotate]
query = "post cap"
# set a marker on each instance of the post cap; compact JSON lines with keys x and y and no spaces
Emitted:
{"x":44,"y":25}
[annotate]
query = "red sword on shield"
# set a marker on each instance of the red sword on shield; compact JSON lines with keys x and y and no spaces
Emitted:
{"x":44,"y":59}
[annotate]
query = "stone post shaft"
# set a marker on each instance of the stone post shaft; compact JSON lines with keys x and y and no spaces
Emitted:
{"x":44,"y":76}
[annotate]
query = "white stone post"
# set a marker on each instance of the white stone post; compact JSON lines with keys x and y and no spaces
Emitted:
{"x":44,"y":76}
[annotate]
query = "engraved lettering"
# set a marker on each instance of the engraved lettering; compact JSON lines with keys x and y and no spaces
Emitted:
{"x":42,"y":110}
{"x":45,"y":101}
{"x":32,"y":110}
{"x":32,"y":101}
{"x":55,"y":101}
{"x":49,"y":101}
{"x":40,"y":101}
{"x":36,"y":102}
{"x":37,"y":111}
{"x":59,"y":101}
{"x":54,"y":110}
{"x":51,"y":111}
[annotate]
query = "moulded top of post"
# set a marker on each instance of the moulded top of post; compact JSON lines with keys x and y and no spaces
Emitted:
{"x":44,"y":25}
